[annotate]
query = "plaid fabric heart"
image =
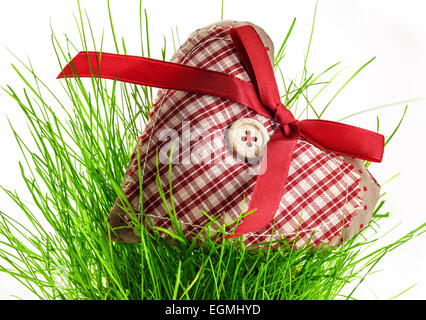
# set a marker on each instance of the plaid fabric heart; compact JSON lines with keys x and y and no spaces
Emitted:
{"x":323,"y":195}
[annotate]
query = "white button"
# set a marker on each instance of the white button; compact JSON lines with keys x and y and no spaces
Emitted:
{"x":247,"y":138}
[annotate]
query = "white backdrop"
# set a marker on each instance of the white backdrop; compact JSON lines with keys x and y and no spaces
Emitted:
{"x":348,"y":31}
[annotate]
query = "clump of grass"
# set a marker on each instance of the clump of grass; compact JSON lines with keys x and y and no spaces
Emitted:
{"x":74,"y":171}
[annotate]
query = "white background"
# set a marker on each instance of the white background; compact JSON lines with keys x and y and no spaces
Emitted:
{"x":348,"y":31}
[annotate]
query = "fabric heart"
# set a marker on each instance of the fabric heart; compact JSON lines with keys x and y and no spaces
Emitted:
{"x":327,"y":199}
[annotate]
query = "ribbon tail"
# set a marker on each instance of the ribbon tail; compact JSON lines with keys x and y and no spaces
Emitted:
{"x":257,"y":64}
{"x":269,"y":186}
{"x":343,"y":139}
{"x":163,"y":74}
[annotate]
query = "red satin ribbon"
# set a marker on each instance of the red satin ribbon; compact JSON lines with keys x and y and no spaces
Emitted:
{"x":262,"y":96}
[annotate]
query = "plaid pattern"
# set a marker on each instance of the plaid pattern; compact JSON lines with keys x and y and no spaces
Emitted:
{"x":322,"y":191}
{"x":320,"y":197}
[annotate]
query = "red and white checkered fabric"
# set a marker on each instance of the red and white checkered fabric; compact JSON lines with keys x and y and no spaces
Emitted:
{"x":322,"y":191}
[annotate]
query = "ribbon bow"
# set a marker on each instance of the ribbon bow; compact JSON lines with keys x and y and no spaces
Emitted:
{"x":261,"y":95}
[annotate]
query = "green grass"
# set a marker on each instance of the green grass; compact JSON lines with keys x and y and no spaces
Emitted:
{"x":74,"y":163}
